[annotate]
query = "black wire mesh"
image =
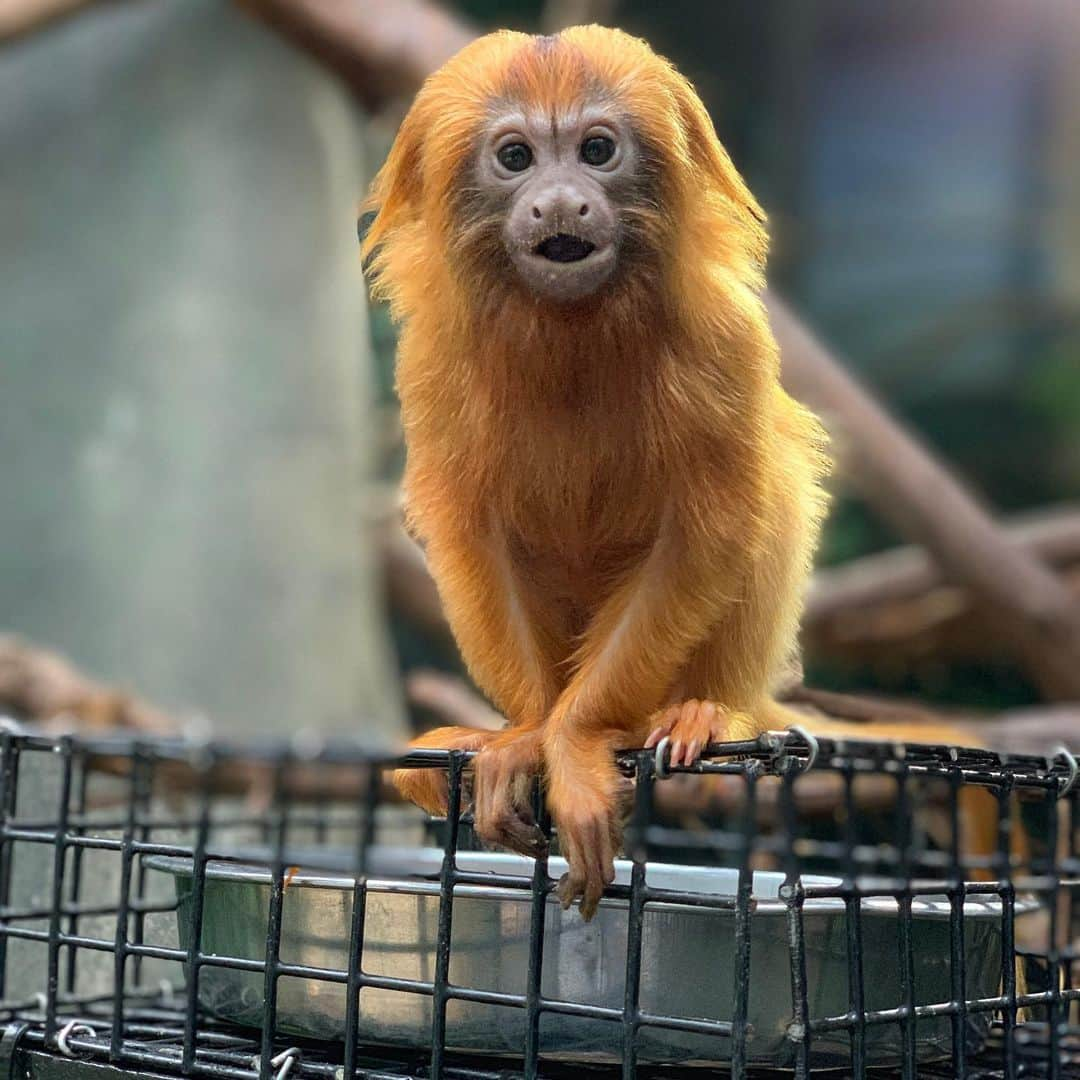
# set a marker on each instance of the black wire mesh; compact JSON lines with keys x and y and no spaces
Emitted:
{"x":922,"y":917}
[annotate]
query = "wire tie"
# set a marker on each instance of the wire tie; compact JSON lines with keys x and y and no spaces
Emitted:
{"x":283,"y":1062}
{"x":72,"y":1027}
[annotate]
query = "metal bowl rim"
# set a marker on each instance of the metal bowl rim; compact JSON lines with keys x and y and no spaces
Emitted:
{"x":928,"y":907}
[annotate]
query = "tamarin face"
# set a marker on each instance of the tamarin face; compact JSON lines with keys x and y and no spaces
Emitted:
{"x":571,"y":170}
{"x":558,"y":180}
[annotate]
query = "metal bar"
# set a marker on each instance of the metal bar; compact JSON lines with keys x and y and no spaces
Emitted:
{"x":635,"y":912}
{"x":794,"y":896}
{"x":204,"y":764}
{"x":74,"y":909}
{"x":853,"y":926}
{"x":138,"y":759}
{"x":1008,"y":917}
{"x":355,"y":980}
{"x":908,"y":1022}
{"x":9,"y":767}
{"x":538,"y":907}
{"x":446,"y":916}
{"x":52,"y":975}
{"x":142,"y":835}
{"x":1055,"y":1015}
{"x":956,"y":894}
{"x":743,"y":896}
{"x":277,"y":827}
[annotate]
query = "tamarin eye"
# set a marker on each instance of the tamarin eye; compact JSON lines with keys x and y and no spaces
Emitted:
{"x":515,"y":157}
{"x":597,"y":150}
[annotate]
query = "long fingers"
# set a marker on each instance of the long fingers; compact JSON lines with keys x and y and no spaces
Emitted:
{"x":589,"y":846}
{"x":502,"y":816}
{"x":664,"y":722}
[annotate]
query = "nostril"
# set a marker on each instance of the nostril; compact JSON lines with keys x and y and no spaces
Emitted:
{"x":584,"y":209}
{"x":536,"y":213}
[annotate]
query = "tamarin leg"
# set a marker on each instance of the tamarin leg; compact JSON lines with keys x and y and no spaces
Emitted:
{"x":513,"y":638}
{"x":427,"y":787}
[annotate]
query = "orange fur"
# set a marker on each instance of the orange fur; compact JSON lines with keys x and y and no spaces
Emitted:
{"x":619,"y":501}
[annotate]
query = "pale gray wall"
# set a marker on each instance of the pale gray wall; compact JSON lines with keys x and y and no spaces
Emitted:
{"x":184,"y":369}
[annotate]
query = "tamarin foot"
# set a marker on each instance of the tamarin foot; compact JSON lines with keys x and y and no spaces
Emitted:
{"x":428,"y":787}
{"x":425,"y":787}
{"x":692,"y":726}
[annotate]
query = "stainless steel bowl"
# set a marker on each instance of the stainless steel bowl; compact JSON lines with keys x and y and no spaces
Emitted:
{"x":687,"y":966}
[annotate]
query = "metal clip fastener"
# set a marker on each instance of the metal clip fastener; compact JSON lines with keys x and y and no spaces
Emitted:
{"x":283,"y":1062}
{"x":72,"y":1027}
{"x":660,"y":760}
{"x":1067,"y":782}
{"x":811,"y":743}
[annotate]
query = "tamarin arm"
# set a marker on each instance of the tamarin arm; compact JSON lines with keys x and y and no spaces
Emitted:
{"x":645,"y":633}
{"x":493,"y":620}
{"x":507,"y":636}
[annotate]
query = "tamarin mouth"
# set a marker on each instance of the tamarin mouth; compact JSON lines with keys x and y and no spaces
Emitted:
{"x":564,"y":248}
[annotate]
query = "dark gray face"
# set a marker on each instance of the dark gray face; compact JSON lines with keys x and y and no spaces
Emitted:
{"x":560,"y":179}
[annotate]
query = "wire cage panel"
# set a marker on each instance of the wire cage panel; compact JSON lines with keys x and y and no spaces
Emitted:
{"x":793,"y":903}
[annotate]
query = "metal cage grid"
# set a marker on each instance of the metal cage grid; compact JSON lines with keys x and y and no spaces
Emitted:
{"x":174,"y":799}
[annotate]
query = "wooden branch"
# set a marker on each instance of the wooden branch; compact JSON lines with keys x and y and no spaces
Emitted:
{"x":895,"y":611}
{"x":44,"y":687}
{"x":20,"y":17}
{"x":907,"y":573}
{"x":904,"y":483}
{"x":382,"y":49}
{"x":913,"y":635}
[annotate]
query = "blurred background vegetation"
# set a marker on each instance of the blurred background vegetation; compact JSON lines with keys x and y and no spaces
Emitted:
{"x":920,"y":162}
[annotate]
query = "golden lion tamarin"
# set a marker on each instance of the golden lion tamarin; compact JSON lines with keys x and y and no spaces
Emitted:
{"x":618,"y":501}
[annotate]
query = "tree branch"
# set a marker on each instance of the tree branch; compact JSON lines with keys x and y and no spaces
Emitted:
{"x":908,"y":487}
{"x":382,"y":49}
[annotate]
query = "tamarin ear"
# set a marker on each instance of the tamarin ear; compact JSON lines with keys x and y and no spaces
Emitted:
{"x":705,"y":152}
{"x":397,"y":189}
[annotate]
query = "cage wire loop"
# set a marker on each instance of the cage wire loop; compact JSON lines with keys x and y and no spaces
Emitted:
{"x":660,"y":760}
{"x":282,"y":1062}
{"x":72,"y":1027}
{"x":1068,"y":782}
{"x":812,"y":745}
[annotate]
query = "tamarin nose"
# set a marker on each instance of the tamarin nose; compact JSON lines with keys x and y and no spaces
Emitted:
{"x":559,"y":206}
